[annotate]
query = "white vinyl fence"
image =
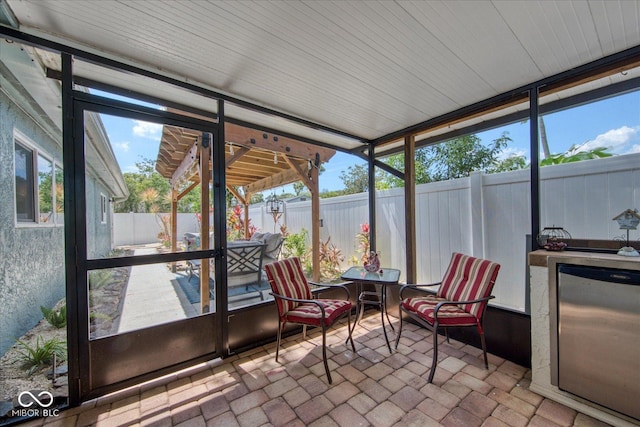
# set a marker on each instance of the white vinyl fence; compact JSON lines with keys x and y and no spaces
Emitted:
{"x":143,"y":228}
{"x":484,"y":215}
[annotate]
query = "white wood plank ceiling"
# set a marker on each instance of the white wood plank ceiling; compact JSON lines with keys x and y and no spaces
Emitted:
{"x":367,"y":68}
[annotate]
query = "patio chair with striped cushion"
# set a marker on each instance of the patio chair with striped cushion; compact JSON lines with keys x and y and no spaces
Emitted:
{"x":459,"y":302}
{"x":296,"y":303}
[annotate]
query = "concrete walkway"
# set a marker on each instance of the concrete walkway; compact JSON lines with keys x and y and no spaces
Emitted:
{"x":150,"y":298}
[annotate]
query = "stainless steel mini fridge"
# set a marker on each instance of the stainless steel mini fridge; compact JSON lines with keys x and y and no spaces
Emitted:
{"x":599,"y":336}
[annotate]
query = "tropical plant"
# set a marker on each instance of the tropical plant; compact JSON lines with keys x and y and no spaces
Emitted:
{"x":165,"y":229}
{"x":330,"y":259}
{"x":576,"y":154}
{"x":362,"y":238}
{"x":33,"y":358}
{"x":56,"y":318}
{"x":235,"y":224}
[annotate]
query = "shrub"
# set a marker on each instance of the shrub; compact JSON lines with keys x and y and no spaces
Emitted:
{"x":295,"y":244}
{"x":56,"y":318}
{"x":41,"y":355}
{"x":99,"y":278}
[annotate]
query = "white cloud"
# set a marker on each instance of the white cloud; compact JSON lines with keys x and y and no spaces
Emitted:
{"x":130,"y":168}
{"x":614,"y":139}
{"x":146,"y":129}
{"x":634,"y":149}
{"x":511,"y":151}
{"x":124,"y":146}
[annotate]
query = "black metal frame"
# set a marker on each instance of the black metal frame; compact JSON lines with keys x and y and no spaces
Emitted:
{"x":436,"y":324}
{"x":93,"y":369}
{"x":323,"y":324}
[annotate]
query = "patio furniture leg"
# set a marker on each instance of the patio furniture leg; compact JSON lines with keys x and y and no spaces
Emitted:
{"x":384,"y":306}
{"x":399,"y":328}
{"x":384,"y":329}
{"x":435,"y":352}
{"x":280,"y":328}
{"x":324,"y":351}
{"x":484,"y":346}
{"x":350,"y":338}
{"x":360,"y":314}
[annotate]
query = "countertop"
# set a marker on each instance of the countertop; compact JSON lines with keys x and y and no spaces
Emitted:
{"x":540,"y":258}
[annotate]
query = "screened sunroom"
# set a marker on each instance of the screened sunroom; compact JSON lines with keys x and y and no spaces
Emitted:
{"x":163,"y":153}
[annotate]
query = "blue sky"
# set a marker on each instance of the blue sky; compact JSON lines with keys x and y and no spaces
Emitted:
{"x":613,"y":122}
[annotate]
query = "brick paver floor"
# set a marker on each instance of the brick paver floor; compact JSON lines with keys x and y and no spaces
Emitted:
{"x":370,"y":388}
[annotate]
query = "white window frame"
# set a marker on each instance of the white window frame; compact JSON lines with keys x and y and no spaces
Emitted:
{"x":25,"y":142}
{"x":104,"y":208}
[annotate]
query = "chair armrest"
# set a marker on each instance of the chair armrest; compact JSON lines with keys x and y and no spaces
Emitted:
{"x":471,"y":301}
{"x":418,"y":287}
{"x":313,"y":301}
{"x":342,"y":286}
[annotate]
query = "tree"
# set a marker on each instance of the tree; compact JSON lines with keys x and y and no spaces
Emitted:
{"x":459,"y":157}
{"x":511,"y":163}
{"x":148,"y":190}
{"x":298,"y":186}
{"x":452,"y":159}
{"x":355,"y":179}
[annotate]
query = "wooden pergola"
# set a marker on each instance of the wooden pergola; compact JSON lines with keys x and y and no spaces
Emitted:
{"x":255,"y":161}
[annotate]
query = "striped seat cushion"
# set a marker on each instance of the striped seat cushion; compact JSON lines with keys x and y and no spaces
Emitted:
{"x":310,"y":314}
{"x":468,"y":278}
{"x":287,"y":278}
{"x":450,"y":315}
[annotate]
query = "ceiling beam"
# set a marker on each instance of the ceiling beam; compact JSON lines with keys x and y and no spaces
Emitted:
{"x":237,"y":195}
{"x":253,"y":138}
{"x":303,"y":176}
{"x":238,"y":153}
{"x":282,"y":178}
{"x":190,"y":159}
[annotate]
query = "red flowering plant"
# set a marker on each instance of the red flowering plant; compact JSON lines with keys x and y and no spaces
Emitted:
{"x":235,"y":224}
{"x":363,"y":243}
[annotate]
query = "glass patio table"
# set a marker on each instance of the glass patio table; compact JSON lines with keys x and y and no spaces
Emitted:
{"x":380,"y":280}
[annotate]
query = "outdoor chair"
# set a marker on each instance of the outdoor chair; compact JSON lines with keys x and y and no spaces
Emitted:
{"x":459,"y":302}
{"x":244,"y":264}
{"x":296,"y":303}
{"x":273,"y":242}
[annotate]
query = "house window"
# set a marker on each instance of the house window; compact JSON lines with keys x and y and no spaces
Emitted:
{"x":103,"y":208}
{"x":38,"y":185}
{"x":25,"y":199}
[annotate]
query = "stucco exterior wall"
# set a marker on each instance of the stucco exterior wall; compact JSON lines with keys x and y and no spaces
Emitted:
{"x":31,"y":256}
{"x":99,"y":233}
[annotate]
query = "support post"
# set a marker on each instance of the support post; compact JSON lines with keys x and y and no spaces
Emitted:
{"x":535,"y":165}
{"x":174,"y":225}
{"x":410,"y":206}
{"x":315,"y":221}
{"x":372,"y":197}
{"x":205,"y":178}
